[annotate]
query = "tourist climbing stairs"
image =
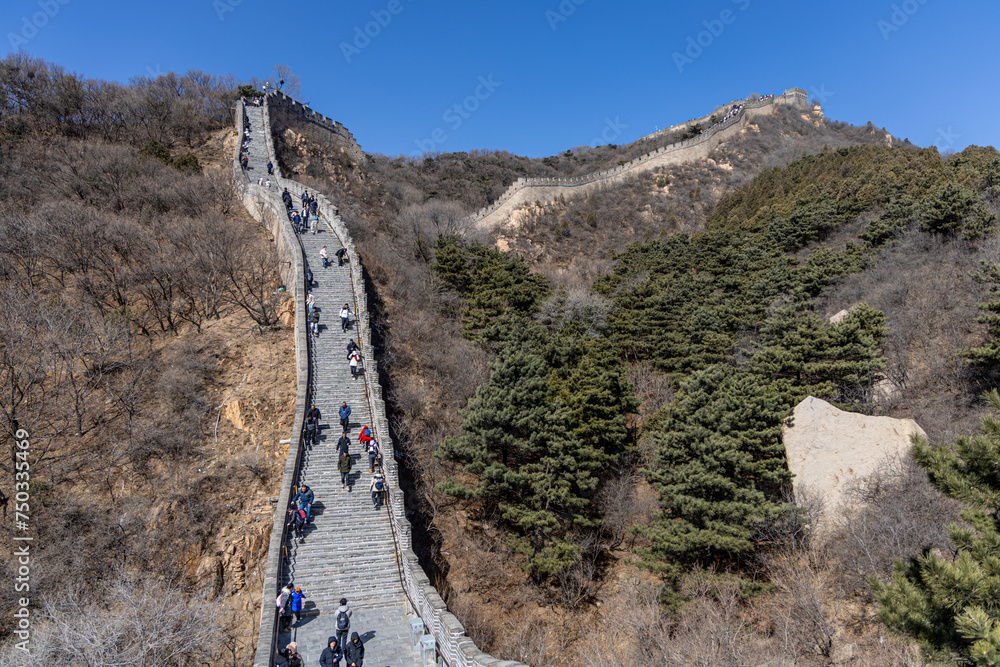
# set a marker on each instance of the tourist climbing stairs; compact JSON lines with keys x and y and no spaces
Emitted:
{"x":347,"y":551}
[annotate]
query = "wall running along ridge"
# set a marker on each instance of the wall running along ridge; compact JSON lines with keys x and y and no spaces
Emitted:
{"x":542,"y":190}
{"x":457,"y":649}
{"x":283,"y":110}
{"x":265,"y":205}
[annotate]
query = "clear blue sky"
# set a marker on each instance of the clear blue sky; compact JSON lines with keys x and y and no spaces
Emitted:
{"x":560,"y":73}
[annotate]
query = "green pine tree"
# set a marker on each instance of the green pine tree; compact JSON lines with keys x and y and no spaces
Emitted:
{"x":837,"y":361}
{"x":721,"y":469}
{"x":952,"y":606}
{"x":492,"y":283}
{"x":955,"y":208}
{"x":988,"y":355}
{"x":522,"y":462}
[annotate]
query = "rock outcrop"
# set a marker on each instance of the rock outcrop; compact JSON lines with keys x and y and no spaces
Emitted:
{"x":826,"y":447}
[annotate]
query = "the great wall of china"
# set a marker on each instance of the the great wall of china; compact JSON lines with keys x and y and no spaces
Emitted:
{"x":453,"y":645}
{"x":541,"y":190}
{"x":284,"y":110}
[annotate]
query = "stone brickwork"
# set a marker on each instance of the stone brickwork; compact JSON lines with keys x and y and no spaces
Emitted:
{"x":283,"y":108}
{"x":414,"y":590}
{"x":288,"y":559}
{"x":541,"y":190}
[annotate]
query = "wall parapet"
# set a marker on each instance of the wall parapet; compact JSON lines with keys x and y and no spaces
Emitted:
{"x":285,"y":103}
{"x":264,"y":206}
{"x":793,"y":97}
{"x":455,"y":647}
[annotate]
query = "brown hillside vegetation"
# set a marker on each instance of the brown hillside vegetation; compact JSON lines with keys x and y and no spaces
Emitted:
{"x":589,"y":407}
{"x":573,"y":241}
{"x":152,"y":392}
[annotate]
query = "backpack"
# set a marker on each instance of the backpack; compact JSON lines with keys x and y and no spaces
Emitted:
{"x":277,"y":602}
{"x":343,"y":622}
{"x":378,"y":484}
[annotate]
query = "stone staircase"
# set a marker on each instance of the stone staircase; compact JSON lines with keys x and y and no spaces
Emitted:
{"x":348,"y":549}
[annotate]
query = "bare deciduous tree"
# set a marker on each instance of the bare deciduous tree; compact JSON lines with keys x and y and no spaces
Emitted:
{"x":286,"y":80}
{"x":129,"y":620}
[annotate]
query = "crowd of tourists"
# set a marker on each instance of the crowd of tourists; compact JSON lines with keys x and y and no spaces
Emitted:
{"x":733,"y":111}
{"x":291,"y":602}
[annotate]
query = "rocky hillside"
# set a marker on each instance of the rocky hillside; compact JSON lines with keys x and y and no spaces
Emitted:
{"x":143,"y":365}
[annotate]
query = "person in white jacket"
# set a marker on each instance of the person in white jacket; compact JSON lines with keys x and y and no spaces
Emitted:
{"x":345,"y":317}
{"x":377,"y":486}
{"x":354,"y":365}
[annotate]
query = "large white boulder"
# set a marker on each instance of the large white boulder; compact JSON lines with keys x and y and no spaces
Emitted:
{"x":826,"y":447}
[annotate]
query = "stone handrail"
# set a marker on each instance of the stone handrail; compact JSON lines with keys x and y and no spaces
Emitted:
{"x":488,"y":216}
{"x":264,"y":206}
{"x":457,"y":649}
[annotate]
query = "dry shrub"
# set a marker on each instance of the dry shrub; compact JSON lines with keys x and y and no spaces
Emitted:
{"x":894,"y":513}
{"x":711,"y":630}
{"x":924,"y":288}
{"x":129,"y":621}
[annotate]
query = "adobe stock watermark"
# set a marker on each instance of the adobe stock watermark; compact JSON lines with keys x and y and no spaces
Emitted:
{"x":223,"y":7}
{"x":30,"y":25}
{"x":899,"y":16}
{"x":456,"y":115}
{"x":363,"y":36}
{"x":697,"y":44}
{"x":562,"y":13}
{"x":22,"y":548}
{"x":946,"y":138}
{"x":612,"y":130}
{"x":820,"y":94}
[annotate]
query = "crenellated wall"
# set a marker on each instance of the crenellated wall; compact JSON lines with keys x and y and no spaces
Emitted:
{"x":457,"y":649}
{"x":282,"y":107}
{"x":542,"y":190}
{"x":264,"y":204}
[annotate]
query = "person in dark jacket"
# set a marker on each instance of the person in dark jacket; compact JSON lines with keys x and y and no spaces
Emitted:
{"x":331,"y":655}
{"x":314,"y":414}
{"x":310,"y":432}
{"x":296,"y":520}
{"x":304,"y":499}
{"x":291,"y":655}
{"x":345,"y":416}
{"x":352,"y":347}
{"x":343,"y":445}
{"x":354,"y":654}
{"x":344,"y":466}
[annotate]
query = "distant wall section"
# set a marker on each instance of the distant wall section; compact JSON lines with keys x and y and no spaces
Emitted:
{"x":540,"y":190}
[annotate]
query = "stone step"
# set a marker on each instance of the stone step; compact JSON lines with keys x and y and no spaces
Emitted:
{"x":348,"y":550}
